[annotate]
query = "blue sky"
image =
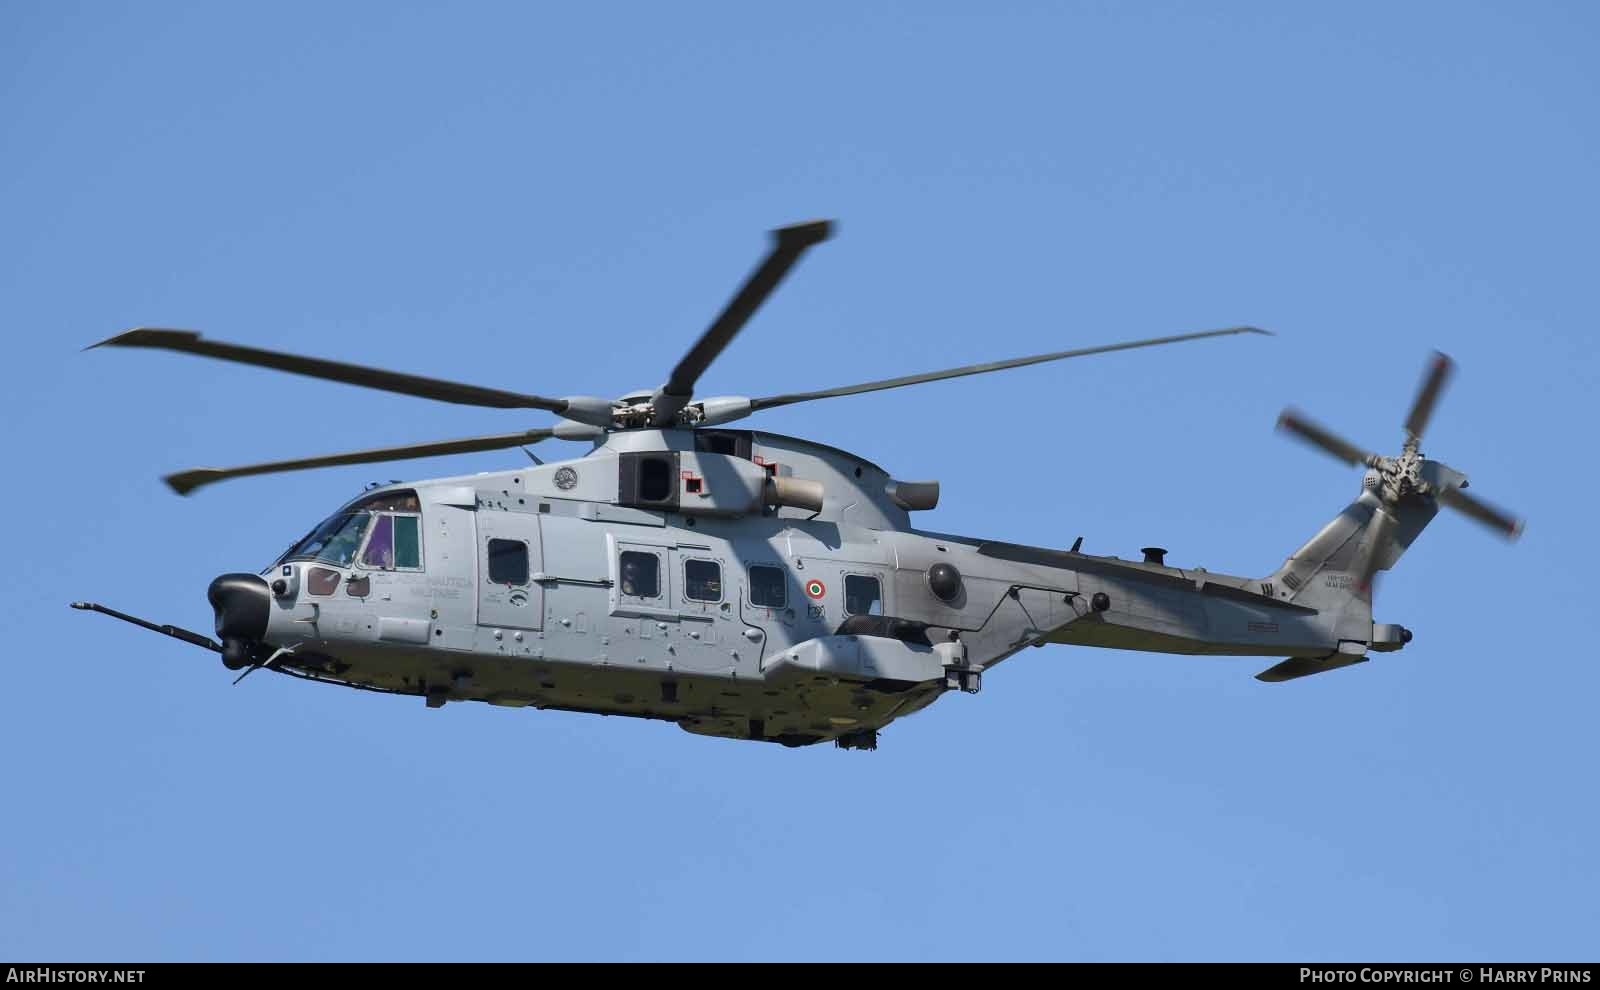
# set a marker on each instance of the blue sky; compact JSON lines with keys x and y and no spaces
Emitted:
{"x":557,"y":198}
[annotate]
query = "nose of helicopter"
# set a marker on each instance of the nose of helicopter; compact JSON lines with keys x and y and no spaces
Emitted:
{"x":241,"y":603}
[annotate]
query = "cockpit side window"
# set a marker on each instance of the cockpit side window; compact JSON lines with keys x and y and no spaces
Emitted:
{"x":407,"y":541}
{"x":395,"y":543}
{"x":380,"y":545}
{"x":392,"y":541}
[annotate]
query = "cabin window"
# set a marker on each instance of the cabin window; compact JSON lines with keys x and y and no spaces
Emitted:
{"x":702,"y":580}
{"x":768,"y":587}
{"x":641,"y":574}
{"x":508,"y":562}
{"x":862,"y":595}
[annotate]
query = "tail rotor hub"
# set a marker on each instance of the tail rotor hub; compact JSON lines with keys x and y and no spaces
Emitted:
{"x":1400,"y":478}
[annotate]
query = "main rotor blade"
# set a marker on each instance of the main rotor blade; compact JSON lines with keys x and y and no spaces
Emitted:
{"x":789,"y":243}
{"x":1503,"y":522}
{"x":1428,"y":395}
{"x":1318,"y":436}
{"x":979,"y":369}
{"x":185,"y":482}
{"x":189,"y":342}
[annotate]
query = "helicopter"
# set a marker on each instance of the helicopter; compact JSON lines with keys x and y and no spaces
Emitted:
{"x":748,"y":585}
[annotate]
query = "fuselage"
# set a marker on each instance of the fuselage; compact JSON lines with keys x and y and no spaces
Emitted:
{"x":738,"y":583}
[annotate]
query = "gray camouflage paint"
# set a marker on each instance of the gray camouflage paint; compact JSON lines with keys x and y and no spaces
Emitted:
{"x":569,"y":638}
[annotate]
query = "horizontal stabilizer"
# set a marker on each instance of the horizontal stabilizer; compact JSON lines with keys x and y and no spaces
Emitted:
{"x":1294,"y":667}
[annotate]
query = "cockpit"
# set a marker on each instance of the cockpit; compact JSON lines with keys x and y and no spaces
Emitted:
{"x":382,"y":531}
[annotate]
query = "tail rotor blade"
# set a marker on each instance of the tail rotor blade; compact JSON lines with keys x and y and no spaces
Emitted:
{"x":1428,"y":396}
{"x":1292,"y":421}
{"x":1499,"y":520}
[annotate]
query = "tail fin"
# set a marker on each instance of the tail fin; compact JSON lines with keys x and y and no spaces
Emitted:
{"x":1324,"y":573}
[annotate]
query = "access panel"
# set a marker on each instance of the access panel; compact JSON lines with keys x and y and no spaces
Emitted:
{"x":510,"y":554}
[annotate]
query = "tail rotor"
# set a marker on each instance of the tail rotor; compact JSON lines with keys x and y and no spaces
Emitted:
{"x":1405,"y":479}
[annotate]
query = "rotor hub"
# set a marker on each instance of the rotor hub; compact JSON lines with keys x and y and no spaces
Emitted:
{"x":1400,"y":478}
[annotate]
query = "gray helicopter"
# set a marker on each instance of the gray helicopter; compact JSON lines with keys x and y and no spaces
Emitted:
{"x":748,"y":585}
